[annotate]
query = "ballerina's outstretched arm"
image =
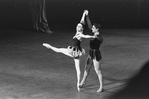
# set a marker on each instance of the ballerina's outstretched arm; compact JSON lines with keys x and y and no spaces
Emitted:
{"x":83,"y":17}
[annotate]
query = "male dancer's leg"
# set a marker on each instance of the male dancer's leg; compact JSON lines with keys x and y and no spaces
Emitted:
{"x":97,"y":67}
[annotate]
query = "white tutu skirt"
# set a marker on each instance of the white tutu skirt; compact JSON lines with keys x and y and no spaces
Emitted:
{"x":76,"y":52}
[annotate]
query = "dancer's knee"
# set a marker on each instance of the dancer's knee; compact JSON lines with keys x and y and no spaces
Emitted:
{"x":98,"y":72}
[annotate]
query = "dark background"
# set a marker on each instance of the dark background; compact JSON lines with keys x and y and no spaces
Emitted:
{"x":66,"y":14}
{"x":29,"y":70}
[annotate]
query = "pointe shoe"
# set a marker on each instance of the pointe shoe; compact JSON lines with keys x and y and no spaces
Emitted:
{"x":46,"y":45}
{"x":78,"y":88}
{"x":100,"y":90}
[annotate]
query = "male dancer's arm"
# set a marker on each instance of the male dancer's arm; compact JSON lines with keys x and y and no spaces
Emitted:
{"x":88,"y":22}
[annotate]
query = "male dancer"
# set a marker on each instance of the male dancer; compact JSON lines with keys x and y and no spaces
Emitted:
{"x":94,"y":56}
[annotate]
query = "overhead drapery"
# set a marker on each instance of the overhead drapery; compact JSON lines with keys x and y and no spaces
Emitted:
{"x":39,"y":17}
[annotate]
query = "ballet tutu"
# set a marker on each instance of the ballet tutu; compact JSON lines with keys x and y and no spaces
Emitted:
{"x":76,"y":52}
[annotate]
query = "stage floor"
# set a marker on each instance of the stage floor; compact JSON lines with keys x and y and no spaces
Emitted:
{"x":30,"y":71}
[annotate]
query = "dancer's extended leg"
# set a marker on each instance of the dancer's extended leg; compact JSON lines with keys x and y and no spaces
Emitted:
{"x":97,"y":68}
{"x":58,"y":50}
{"x":77,"y":66}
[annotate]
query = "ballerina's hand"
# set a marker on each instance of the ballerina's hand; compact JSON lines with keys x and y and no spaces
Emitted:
{"x":86,"y":12}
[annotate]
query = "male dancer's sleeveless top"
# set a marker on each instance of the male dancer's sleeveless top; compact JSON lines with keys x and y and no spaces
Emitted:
{"x":96,"y":42}
{"x":94,"y":51}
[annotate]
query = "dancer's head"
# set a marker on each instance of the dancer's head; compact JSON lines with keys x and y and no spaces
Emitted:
{"x":79,"y":27}
{"x":96,"y":27}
